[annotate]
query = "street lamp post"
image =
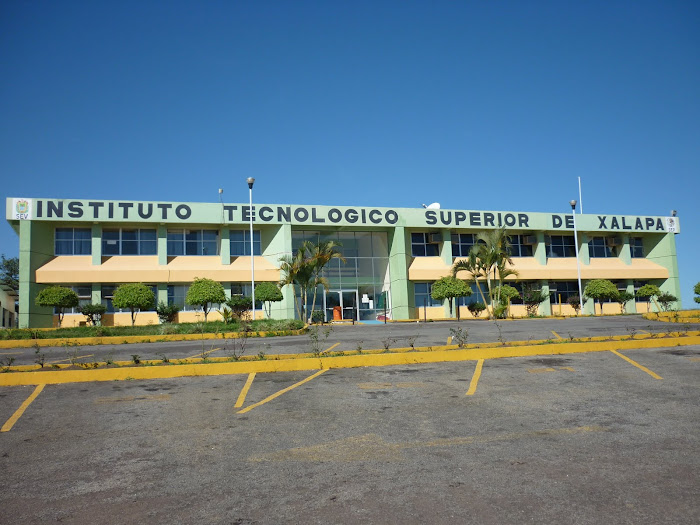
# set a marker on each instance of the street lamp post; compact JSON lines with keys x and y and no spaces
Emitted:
{"x":578,"y":263}
{"x":251,"y":181}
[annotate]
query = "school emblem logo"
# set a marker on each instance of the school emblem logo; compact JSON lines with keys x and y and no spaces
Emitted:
{"x":22,"y":209}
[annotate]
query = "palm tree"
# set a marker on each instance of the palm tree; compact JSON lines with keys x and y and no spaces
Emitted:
{"x":472,"y":265}
{"x":320,"y":254}
{"x":297,"y":271}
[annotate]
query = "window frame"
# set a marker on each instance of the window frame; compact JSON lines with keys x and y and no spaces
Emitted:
{"x":140,"y":242}
{"x":82,"y":242}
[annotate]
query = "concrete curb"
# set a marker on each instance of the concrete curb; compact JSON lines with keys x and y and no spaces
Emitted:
{"x":308,"y":362}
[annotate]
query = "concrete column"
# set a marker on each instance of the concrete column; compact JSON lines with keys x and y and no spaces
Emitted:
{"x":399,"y":260}
{"x":276,"y":242}
{"x":625,"y":254}
{"x":36,"y":248}
{"x":96,"y":244}
{"x":162,"y":245}
{"x":225,"y":246}
{"x":546,"y":306}
{"x":540,"y":251}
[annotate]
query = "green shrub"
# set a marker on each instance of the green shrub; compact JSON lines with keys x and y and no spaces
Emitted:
{"x":205,"y":292}
{"x":132,"y":297}
{"x":317,"y":316}
{"x":239,"y":305}
{"x":93,"y":313}
{"x":666,"y":300}
{"x":58,"y":297}
{"x":476,"y":308}
{"x":167,"y":312}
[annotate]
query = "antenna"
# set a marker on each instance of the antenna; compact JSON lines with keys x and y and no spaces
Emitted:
{"x":580,"y":197}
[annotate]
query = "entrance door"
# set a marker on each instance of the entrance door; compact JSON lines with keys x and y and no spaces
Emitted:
{"x":341,"y":304}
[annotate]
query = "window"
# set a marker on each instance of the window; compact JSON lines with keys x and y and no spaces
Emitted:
{"x":560,"y":246}
{"x":565,"y":289}
{"x":600,"y":247}
{"x":422,"y":295}
{"x":129,"y":242}
{"x":519,"y":248}
{"x":240,"y":242}
{"x":422,"y":247}
{"x":193,"y":242}
{"x":637,"y":247}
{"x":73,"y":241}
{"x":462,"y":244}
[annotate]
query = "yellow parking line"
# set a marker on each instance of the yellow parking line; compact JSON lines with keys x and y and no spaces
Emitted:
{"x":284,"y":390}
{"x":449,"y":340}
{"x":244,"y":392}
{"x":643,"y":368}
{"x":475,"y":378}
{"x":13,"y":419}
{"x":202,"y":354}
{"x":557,"y":335}
{"x":68,"y":359}
{"x":330,"y":348}
{"x":694,"y":358}
{"x":10,"y":353}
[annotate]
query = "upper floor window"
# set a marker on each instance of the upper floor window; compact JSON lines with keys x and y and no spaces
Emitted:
{"x":422,"y":244}
{"x":129,"y":242}
{"x":637,"y":247}
{"x":240,"y":242}
{"x":560,"y":246}
{"x":521,"y":245}
{"x":601,"y":247}
{"x":73,"y":241}
{"x":193,"y":242}
{"x":462,"y":244}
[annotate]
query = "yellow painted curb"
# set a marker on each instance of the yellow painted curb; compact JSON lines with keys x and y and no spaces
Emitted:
{"x":126,"y":339}
{"x":346,"y":361}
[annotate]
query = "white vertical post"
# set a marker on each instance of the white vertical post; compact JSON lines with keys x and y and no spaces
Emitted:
{"x":578,"y":262}
{"x":251,"y":181}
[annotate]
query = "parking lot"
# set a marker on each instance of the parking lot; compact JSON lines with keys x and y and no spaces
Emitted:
{"x":581,"y":438}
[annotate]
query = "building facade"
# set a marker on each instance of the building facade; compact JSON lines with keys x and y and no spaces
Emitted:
{"x":392,"y":255}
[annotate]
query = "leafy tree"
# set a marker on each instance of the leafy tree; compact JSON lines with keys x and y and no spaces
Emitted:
{"x":93,"y":312}
{"x":667,"y":300}
{"x":58,"y":297}
{"x":575,"y":303}
{"x":167,"y":312}
{"x":133,"y":296}
{"x":449,"y":288}
{"x":623,"y":298}
{"x":203,"y":292}
{"x":600,"y":290}
{"x":650,"y":292}
{"x":532,"y":298}
{"x":268,"y":292}
{"x":9,"y":272}
{"x":239,"y":305}
{"x":696,"y":289}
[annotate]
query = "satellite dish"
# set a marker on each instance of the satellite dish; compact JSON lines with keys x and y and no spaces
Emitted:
{"x":433,"y":206}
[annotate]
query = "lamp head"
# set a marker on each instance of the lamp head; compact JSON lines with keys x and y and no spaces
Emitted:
{"x":674,"y":213}
{"x":573,"y":204}
{"x":250,"y":181}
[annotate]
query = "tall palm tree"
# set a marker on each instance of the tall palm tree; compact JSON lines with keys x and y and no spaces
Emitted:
{"x":472,"y":265}
{"x":320,"y":254}
{"x":298,"y":272}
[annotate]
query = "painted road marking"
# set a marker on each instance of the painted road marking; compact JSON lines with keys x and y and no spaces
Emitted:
{"x":694,"y":358}
{"x":10,"y":353}
{"x":330,"y":348}
{"x":153,"y":397}
{"x":449,"y":340}
{"x":643,"y":368}
{"x":557,"y":335}
{"x":372,"y":447}
{"x":549,"y":369}
{"x":13,"y":419}
{"x":475,"y":378}
{"x":68,"y":359}
{"x":202,"y":354}
{"x":284,"y":390}
{"x":244,"y":392}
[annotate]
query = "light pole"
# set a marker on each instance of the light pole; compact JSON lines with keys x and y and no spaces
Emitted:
{"x":578,"y":263}
{"x":251,"y":181}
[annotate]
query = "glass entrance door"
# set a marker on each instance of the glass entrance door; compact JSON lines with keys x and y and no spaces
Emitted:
{"x":340,"y":305}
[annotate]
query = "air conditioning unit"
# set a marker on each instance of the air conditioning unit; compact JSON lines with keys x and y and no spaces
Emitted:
{"x":435,"y":238}
{"x":529,"y":239}
{"x":614,"y":241}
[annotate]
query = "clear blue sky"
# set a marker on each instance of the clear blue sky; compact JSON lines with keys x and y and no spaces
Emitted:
{"x":478,"y":105}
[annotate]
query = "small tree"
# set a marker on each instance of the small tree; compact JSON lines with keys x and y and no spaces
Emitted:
{"x":167,"y":312}
{"x":507,"y":293}
{"x":133,"y":296}
{"x":476,"y":308}
{"x":696,"y":289}
{"x":9,"y":272}
{"x":623,"y":298}
{"x":650,"y":292}
{"x":600,"y":290}
{"x":93,"y":313}
{"x":204,"y":292}
{"x":268,"y":293}
{"x":449,"y":288}
{"x":575,"y":302}
{"x":533,"y":298}
{"x":239,"y":305}
{"x":667,"y":300}
{"x":58,"y":297}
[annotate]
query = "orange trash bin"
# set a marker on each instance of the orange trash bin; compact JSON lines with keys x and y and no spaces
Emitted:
{"x":337,"y":313}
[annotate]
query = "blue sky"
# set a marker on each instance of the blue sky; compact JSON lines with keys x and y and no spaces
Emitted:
{"x":478,"y":105}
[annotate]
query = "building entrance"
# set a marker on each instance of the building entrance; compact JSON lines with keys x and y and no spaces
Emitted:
{"x":340,"y":304}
